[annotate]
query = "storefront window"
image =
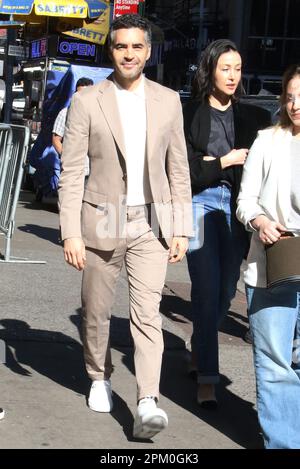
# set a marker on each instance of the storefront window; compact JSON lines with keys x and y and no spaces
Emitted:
{"x":273,"y":34}
{"x":277,"y":13}
{"x":292,"y":51}
{"x":293,"y":20}
{"x":258,"y":17}
{"x":273,"y":53}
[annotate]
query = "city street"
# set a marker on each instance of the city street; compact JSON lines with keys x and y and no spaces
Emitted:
{"x":43,"y":383}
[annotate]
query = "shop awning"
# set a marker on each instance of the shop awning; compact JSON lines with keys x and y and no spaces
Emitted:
{"x":61,"y":8}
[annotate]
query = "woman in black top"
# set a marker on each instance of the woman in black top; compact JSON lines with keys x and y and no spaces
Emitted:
{"x":219,"y":131}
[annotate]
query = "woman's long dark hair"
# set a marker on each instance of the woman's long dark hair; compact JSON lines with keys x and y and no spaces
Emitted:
{"x":291,"y":72}
{"x":204,"y":78}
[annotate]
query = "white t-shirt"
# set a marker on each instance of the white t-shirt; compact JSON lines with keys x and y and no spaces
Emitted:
{"x":132,"y":108}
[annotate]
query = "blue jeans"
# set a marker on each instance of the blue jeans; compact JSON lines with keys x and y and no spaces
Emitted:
{"x":214,"y":258}
{"x":274,"y":317}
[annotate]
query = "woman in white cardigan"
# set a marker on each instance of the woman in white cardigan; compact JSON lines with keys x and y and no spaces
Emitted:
{"x":269,"y":205}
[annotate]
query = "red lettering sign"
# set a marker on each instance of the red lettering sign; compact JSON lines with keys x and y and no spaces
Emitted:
{"x":125,"y":7}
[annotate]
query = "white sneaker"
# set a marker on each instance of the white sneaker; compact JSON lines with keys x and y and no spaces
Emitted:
{"x":2,"y":413}
{"x":149,"y":419}
{"x":100,"y":398}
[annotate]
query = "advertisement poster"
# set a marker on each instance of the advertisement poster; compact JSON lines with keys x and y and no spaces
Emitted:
{"x":92,"y":31}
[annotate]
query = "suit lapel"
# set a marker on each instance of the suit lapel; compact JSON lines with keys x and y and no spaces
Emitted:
{"x":108,"y":103}
{"x":153,"y":111}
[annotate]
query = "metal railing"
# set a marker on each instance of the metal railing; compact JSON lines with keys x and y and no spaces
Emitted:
{"x":5,"y":148}
{"x":14,"y":141}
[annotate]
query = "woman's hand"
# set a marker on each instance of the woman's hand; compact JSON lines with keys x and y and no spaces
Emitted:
{"x":269,"y":231}
{"x":234,"y":157}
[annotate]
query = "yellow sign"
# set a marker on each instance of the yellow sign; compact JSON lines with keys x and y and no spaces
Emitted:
{"x":77,"y":9}
{"x":95,"y":31}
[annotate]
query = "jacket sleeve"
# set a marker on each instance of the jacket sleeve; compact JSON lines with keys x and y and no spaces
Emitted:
{"x":71,"y":183}
{"x":203,"y":173}
{"x":178,"y":175}
{"x":248,"y":206}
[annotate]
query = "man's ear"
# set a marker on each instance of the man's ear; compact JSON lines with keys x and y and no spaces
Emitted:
{"x":149,"y":53}
{"x":109,"y":52}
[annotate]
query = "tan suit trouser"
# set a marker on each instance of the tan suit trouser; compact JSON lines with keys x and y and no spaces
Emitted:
{"x":146,"y":260}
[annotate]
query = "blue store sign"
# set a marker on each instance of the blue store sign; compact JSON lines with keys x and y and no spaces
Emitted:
{"x":38,"y":49}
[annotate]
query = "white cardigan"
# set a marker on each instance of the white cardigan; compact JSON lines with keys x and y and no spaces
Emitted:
{"x":265,"y":189}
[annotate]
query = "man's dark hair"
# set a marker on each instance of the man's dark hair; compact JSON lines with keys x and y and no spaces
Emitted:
{"x":128,"y":22}
{"x":83,"y":81}
{"x":204,"y":80}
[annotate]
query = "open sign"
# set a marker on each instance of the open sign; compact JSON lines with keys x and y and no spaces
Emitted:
{"x":72,"y":49}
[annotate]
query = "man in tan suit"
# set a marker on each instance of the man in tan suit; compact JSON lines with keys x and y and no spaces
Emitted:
{"x":136,"y":207}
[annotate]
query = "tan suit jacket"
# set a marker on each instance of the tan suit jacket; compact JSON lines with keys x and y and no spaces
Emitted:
{"x":97,"y":212}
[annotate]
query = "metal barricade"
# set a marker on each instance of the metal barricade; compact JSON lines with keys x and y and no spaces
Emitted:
{"x":5,"y":148}
{"x":14,"y":140}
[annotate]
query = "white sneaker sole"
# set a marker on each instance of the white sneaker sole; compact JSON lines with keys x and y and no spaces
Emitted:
{"x":150,"y":427}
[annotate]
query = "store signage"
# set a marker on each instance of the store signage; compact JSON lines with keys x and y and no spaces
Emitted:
{"x":92,"y":31}
{"x":77,"y":50}
{"x":16,"y":7}
{"x":38,"y":49}
{"x":125,"y":7}
{"x":75,"y":11}
{"x":11,"y":24}
{"x":70,"y":8}
{"x":16,"y":51}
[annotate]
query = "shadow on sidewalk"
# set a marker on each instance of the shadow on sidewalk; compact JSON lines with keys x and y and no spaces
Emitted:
{"x":235,"y":417}
{"x":47,"y":233}
{"x":121,"y":340}
{"x":51,"y":354}
{"x":175,"y":308}
{"x":28,"y":200}
{"x":234,"y":325}
{"x":178,"y":311}
{"x":60,"y":358}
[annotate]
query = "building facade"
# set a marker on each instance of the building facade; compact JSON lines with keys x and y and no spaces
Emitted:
{"x":266,"y":32}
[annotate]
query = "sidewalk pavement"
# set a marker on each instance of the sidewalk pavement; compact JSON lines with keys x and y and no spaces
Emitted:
{"x":43,"y":383}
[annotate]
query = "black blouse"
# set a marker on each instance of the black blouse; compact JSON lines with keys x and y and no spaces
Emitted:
{"x":248,"y":120}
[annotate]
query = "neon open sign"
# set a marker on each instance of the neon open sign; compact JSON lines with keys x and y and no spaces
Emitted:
{"x":76,"y":49}
{"x":87,"y":50}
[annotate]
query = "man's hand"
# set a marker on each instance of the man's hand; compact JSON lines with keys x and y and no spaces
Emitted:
{"x":178,"y":249}
{"x":74,"y":251}
{"x":269,"y":231}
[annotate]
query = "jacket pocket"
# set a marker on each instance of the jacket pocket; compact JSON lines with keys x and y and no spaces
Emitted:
{"x":95,"y":198}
